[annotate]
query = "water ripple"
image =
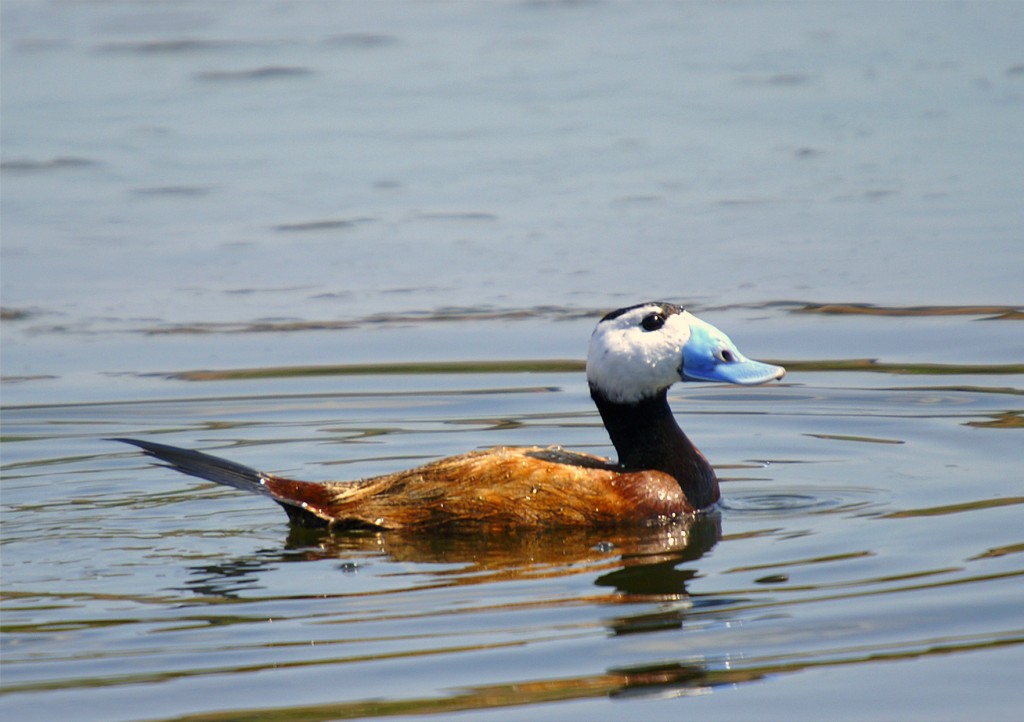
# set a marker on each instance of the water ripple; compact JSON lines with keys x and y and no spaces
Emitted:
{"x":808,"y":500}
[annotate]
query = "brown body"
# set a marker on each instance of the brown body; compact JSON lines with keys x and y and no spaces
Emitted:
{"x":500,"y":487}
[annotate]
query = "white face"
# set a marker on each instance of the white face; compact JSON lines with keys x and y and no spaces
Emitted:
{"x":638,"y":353}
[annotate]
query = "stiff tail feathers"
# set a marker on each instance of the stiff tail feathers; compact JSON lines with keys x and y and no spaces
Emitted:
{"x":303,"y":501}
{"x":205,"y":466}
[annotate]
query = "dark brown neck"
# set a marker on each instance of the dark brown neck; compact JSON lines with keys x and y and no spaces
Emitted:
{"x":646,"y":436}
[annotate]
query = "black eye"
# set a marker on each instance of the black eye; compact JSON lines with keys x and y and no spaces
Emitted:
{"x":727,"y":356}
{"x":652,"y":322}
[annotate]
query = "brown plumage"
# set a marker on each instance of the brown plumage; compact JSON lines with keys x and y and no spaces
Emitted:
{"x":636,"y":354}
{"x":506,"y":486}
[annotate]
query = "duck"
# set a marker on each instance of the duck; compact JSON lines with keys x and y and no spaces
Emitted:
{"x":636,"y":354}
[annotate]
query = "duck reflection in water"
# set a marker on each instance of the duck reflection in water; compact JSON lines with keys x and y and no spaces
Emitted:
{"x":641,"y":567}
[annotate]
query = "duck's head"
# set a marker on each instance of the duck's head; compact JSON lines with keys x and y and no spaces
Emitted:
{"x":639,"y":351}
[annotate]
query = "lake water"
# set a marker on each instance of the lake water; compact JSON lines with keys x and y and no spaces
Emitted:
{"x":335,"y":239}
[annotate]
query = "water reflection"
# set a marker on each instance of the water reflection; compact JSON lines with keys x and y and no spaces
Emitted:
{"x":640,"y":565}
{"x":635,"y":566}
{"x":228,"y":580}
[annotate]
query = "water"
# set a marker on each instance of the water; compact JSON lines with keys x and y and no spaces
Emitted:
{"x":296,"y":198}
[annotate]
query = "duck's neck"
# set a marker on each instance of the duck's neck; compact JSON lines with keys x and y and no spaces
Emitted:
{"x":646,"y":436}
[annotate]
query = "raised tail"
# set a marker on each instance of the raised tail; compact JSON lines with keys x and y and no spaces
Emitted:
{"x":304,"y":501}
{"x":205,"y":466}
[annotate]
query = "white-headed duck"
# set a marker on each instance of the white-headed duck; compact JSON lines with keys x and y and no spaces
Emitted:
{"x":636,"y":354}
